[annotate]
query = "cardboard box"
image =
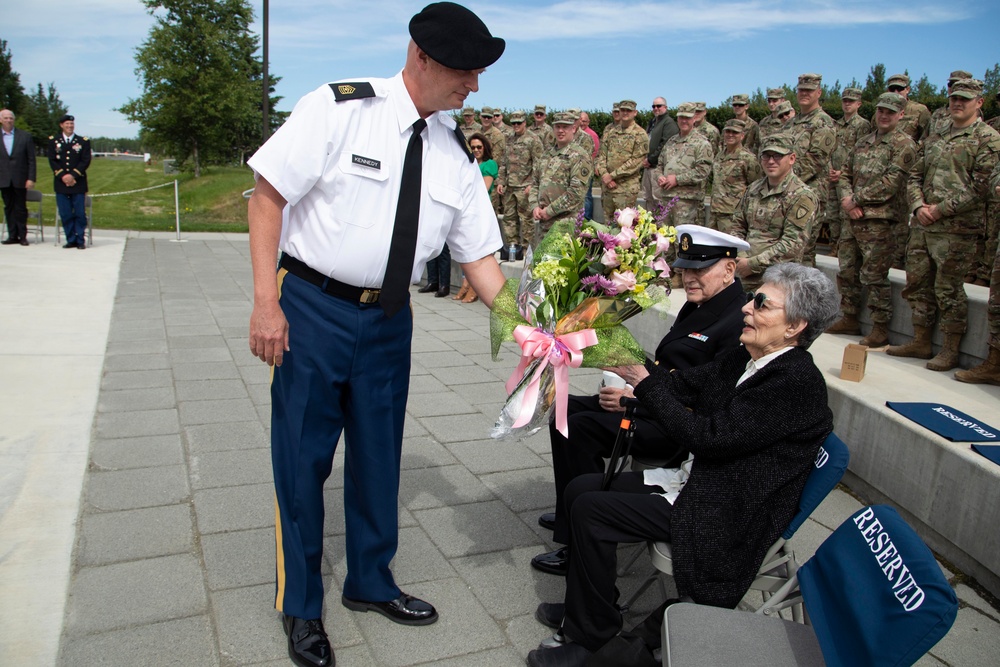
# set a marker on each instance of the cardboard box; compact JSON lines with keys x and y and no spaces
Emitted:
{"x":855,"y":358}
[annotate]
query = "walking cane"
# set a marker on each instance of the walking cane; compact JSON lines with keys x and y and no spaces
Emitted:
{"x":623,"y":442}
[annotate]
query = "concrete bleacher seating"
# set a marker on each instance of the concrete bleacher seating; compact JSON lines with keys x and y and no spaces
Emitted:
{"x":948,"y":492}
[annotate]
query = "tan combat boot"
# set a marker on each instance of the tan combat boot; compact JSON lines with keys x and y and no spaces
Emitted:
{"x":848,"y":324}
{"x":878,"y":337}
{"x":919,"y":347}
{"x":987,"y":372}
{"x":947,"y":358}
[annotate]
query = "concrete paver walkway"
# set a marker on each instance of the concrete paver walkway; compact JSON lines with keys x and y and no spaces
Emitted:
{"x":173,"y":559}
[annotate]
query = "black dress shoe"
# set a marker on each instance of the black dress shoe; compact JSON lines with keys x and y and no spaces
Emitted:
{"x":553,"y":562}
{"x":24,"y":242}
{"x":308,"y":645}
{"x":550,"y":614}
{"x":548,"y":521}
{"x":10,"y":240}
{"x":429,"y":287}
{"x":69,"y":245}
{"x":567,"y":655}
{"x":81,"y":246}
{"x":406,"y":609}
{"x":444,"y":291}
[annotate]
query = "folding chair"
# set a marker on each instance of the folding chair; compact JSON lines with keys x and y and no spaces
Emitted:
{"x":32,"y":196}
{"x":88,"y":208}
{"x":873,"y":593}
{"x":779,"y":563}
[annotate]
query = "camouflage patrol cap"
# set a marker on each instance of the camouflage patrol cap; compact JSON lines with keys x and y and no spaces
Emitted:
{"x":626,"y":105}
{"x":970,"y":89}
{"x":686,"y":110}
{"x":574,"y":111}
{"x":734,"y":125}
{"x":894,"y":102}
{"x":468,"y":111}
{"x":898,"y":80}
{"x":853,"y":94}
{"x":486,"y":111}
{"x":616,"y":106}
{"x":517,"y":116}
{"x":958,"y":74}
{"x":775,"y":93}
{"x":565,"y":118}
{"x":810,"y":81}
{"x":700,"y":106}
{"x":779,"y":142}
{"x":539,"y":108}
{"x":783,"y":108}
{"x":740,"y":98}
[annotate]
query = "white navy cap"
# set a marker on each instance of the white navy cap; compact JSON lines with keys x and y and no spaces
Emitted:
{"x":698,"y":247}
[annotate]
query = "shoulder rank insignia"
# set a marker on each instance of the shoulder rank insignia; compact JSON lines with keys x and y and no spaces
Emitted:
{"x":464,"y":143}
{"x":356,"y":90}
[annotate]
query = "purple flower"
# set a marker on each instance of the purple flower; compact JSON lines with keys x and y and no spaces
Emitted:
{"x":609,"y":241}
{"x":599,"y":285}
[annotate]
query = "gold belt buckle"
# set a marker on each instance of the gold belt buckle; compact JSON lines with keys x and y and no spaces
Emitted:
{"x":370,"y":295}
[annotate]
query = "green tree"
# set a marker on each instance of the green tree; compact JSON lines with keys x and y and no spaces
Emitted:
{"x":42,"y":113}
{"x":875,"y":84}
{"x":11,"y":91}
{"x":201,"y":81}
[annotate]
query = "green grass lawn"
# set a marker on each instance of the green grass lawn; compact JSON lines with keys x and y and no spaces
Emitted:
{"x":212,"y":203}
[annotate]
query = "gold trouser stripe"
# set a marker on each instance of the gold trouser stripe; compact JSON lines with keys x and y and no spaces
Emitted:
{"x":279,"y":598}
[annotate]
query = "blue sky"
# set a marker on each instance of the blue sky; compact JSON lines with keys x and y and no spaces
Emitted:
{"x":584,"y":53}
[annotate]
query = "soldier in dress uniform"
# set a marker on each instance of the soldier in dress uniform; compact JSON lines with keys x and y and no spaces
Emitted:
{"x":849,"y":129}
{"x":733,"y":170}
{"x":69,"y":157}
{"x":522,"y":162}
{"x":619,"y":164}
{"x":561,"y":184}
{"x":682,"y":171}
{"x":751,"y":131}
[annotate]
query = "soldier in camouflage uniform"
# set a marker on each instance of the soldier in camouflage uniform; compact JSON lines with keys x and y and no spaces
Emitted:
{"x":915,"y":123}
{"x":989,"y":370}
{"x":751,"y":132}
{"x":850,"y":128}
{"x":620,"y":162}
{"x":469,"y":124}
{"x":522,"y":160}
{"x":775,"y":214}
{"x":868,"y":188}
{"x":815,"y":139}
{"x":710,"y":131}
{"x":772,"y":123}
{"x":498,"y":144}
{"x":542,"y":129}
{"x":582,"y":140}
{"x":733,"y":170}
{"x":562,"y":183}
{"x":616,"y":116}
{"x":682,"y":171}
{"x":987,"y":249}
{"x":941,"y":118}
{"x":947,"y":191}
{"x":785,"y":114}
{"x":498,"y":123}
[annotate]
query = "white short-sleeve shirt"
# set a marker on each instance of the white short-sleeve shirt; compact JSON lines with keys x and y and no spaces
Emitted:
{"x":339,"y":164}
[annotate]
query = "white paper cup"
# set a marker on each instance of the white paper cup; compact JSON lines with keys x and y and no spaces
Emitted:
{"x":613,"y":380}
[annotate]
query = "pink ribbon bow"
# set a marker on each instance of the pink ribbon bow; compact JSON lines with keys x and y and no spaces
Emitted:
{"x":562,"y":352}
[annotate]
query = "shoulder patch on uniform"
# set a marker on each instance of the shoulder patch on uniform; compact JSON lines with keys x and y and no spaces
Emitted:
{"x":356,"y":90}
{"x":464,"y":143}
{"x":801,"y":212}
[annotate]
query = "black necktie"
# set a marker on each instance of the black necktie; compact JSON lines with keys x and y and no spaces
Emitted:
{"x":396,"y":283}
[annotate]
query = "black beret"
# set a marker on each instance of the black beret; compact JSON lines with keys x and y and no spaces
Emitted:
{"x":455,"y":37}
{"x":65,"y":117}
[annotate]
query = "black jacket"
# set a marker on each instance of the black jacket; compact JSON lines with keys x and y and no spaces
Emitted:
{"x":71,"y":157}
{"x":17,"y":167}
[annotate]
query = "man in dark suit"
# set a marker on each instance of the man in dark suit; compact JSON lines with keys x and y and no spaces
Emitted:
{"x":69,"y":157}
{"x":707,"y":325}
{"x":17,"y":176}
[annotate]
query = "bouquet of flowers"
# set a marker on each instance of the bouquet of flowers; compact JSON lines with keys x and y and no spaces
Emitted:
{"x":567,"y":309}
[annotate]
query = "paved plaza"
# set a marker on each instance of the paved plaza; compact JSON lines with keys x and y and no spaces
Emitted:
{"x":136,"y":506}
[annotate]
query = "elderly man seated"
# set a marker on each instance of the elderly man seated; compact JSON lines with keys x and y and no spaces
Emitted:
{"x":707,"y":325}
{"x":753,"y":420}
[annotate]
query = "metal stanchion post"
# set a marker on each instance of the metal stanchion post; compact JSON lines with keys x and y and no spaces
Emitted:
{"x":177,"y":214}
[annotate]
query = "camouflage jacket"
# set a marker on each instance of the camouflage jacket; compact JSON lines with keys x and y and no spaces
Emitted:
{"x":876,"y":171}
{"x":915,"y":121}
{"x":690,"y":159}
{"x":939,"y":123}
{"x":498,"y":142}
{"x":561,"y":184}
{"x":732,"y":173}
{"x":953,"y":171}
{"x":522,"y":159}
{"x":622,"y":152}
{"x":848,"y":133}
{"x":751,"y":136}
{"x":584,"y":142}
{"x":468,"y":130}
{"x":505,"y":129}
{"x":545,"y":133}
{"x":815,"y":139}
{"x":775,"y":222}
{"x":768,"y":125}
{"x":711,"y":133}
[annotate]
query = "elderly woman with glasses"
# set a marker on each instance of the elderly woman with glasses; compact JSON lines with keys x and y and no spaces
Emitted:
{"x":754,"y":420}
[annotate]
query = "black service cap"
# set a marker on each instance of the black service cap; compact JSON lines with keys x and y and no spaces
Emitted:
{"x":65,"y":117}
{"x":455,"y":37}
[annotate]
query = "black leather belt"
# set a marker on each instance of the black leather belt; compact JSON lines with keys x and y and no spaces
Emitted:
{"x":333,"y":287}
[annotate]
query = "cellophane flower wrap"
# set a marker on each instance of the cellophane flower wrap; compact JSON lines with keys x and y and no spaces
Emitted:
{"x":567,"y":308}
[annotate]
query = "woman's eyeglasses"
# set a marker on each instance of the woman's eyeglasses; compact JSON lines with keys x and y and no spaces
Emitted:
{"x":758,"y":299}
{"x":476,"y":148}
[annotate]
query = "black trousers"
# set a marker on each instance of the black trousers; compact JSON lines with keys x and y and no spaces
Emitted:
{"x":15,"y":207}
{"x":439,"y":269}
{"x":592,"y":433}
{"x":599,"y":520}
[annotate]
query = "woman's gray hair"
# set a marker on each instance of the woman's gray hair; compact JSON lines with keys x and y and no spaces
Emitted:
{"x":810,"y":297}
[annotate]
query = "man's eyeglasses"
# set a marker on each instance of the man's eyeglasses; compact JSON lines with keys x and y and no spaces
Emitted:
{"x":783,"y":116}
{"x":539,"y":113}
{"x":517,"y":122}
{"x":738,"y":104}
{"x":758,"y":299}
{"x":771,"y":157}
{"x":498,"y":115}
{"x":896,"y":89}
{"x":659,"y":106}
